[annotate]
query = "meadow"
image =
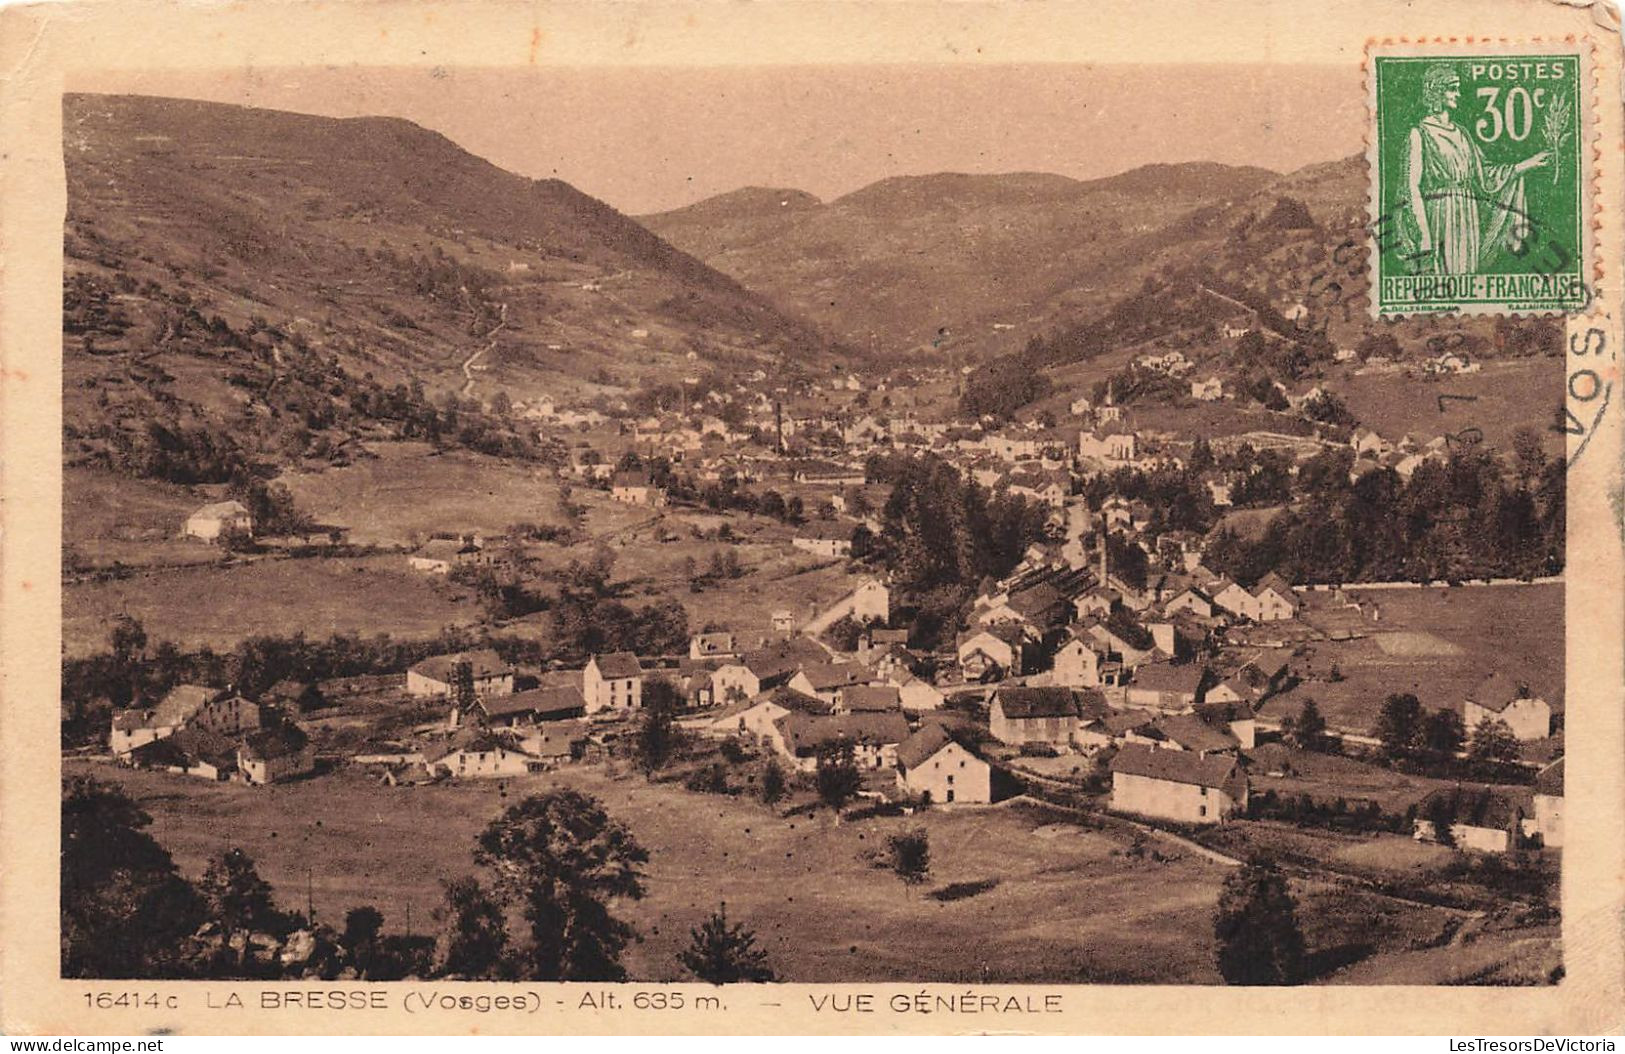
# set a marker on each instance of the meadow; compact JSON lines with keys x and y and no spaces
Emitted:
{"x":220,"y":605}
{"x":1061,"y":900}
{"x":1437,"y":643}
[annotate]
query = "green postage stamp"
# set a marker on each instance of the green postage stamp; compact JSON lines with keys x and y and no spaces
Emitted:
{"x":1479,"y":192}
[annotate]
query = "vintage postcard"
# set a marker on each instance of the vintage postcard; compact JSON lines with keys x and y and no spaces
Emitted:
{"x":822,"y":517}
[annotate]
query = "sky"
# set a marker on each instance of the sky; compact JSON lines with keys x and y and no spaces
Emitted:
{"x":646,"y":139}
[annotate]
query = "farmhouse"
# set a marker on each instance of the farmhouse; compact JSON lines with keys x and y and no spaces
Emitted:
{"x":613,"y":681}
{"x":1480,"y":818}
{"x":217,"y":518}
{"x":438,"y":556}
{"x":271,"y":755}
{"x":562,"y":702}
{"x":1498,"y":695}
{"x":635,"y":488}
{"x":828,"y":538}
{"x":437,"y":675}
{"x":1177,"y":785}
{"x":475,"y":753}
{"x":932,"y":765}
{"x":868,"y":699}
{"x":1034,"y":715}
{"x":828,"y":680}
{"x":874,"y":737}
{"x":1077,"y":664}
{"x":555,"y":742}
{"x":1165,"y":687}
{"x":990,"y":653}
{"x":186,"y":705}
{"x":190,"y":752}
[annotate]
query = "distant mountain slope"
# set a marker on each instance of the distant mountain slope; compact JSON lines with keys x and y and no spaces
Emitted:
{"x":197,"y":229}
{"x":944,"y":259}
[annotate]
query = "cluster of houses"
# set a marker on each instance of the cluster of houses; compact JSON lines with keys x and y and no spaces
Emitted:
{"x":212,"y":734}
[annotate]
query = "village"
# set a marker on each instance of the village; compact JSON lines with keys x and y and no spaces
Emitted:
{"x":1159,"y":689}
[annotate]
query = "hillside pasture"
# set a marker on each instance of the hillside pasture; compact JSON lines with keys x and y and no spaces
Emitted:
{"x":407,"y":492}
{"x":1500,"y":398}
{"x":109,"y":518}
{"x":1438,"y":643}
{"x":220,"y":605}
{"x":1059,"y":900}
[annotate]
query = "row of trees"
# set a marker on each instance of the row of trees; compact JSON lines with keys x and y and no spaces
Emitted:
{"x":1459,"y":519}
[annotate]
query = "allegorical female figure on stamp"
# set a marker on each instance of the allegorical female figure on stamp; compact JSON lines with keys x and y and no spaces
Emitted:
{"x":1463,"y":211}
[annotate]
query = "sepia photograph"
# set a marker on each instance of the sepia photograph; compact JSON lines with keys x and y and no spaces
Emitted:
{"x":996,"y":523}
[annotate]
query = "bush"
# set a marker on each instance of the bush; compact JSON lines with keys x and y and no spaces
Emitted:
{"x":710,"y":779}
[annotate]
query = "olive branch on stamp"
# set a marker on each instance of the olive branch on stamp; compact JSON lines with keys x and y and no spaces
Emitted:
{"x":1478,"y":192}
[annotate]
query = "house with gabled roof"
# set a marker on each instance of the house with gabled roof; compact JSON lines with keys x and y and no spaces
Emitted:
{"x":279,"y":752}
{"x":219,"y":518}
{"x":828,"y":680}
{"x":437,"y":675}
{"x":476,"y":753}
{"x":934,"y":766}
{"x":1165,"y":686}
{"x":868,"y":699}
{"x":636,"y":488}
{"x":991,"y":652}
{"x":874,"y":737}
{"x":1274,"y":599}
{"x":1502,"y":696}
{"x":1020,"y":715}
{"x":612,"y":682}
{"x":558,"y":702}
{"x":1190,"y":732}
{"x":1178,"y":785}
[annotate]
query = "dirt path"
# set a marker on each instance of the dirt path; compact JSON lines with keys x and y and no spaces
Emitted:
{"x":490,"y":338}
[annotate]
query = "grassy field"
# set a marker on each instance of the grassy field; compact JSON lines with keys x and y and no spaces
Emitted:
{"x":1436,"y":643}
{"x":407,"y":492}
{"x":219,"y":606}
{"x":1505,"y":395}
{"x":1063,"y":901}
{"x":107,"y":517}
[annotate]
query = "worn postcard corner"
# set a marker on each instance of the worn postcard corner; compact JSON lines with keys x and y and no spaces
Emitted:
{"x":1039,"y":518}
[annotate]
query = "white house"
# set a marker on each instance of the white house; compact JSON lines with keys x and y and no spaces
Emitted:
{"x":612,"y":681}
{"x":1179,"y":785}
{"x":477,"y":755}
{"x":1498,"y":695}
{"x":437,"y":675}
{"x":932,"y":765}
{"x":634,"y":488}
{"x":271,"y":755}
{"x":217,"y":518}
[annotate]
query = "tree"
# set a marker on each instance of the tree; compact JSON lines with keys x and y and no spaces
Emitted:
{"x":1256,"y":925}
{"x":1443,"y":732}
{"x":1440,"y":813}
{"x":1493,"y":740}
{"x":1308,"y":732}
{"x":361,"y":929}
{"x":472,"y":942}
{"x":773,"y":785}
{"x":1528,"y":452}
{"x":462,"y":691}
{"x":559,"y":860}
{"x":238,"y":902}
{"x":125,"y":910}
{"x":1399,"y":723}
{"x":910,"y":855}
{"x":838,"y":777}
{"x":658,"y":735}
{"x":724,"y":953}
